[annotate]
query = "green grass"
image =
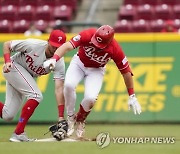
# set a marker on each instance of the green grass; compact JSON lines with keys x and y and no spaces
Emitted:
{"x":115,"y":130}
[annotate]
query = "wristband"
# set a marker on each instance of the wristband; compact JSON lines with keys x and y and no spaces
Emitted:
{"x":130,"y":91}
{"x":57,"y":57}
{"x":7,"y":57}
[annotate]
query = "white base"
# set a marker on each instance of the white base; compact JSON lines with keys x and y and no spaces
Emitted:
{"x":54,"y":140}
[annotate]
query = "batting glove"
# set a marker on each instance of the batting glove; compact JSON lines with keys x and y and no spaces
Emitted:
{"x":134,"y":104}
{"x":50,"y":63}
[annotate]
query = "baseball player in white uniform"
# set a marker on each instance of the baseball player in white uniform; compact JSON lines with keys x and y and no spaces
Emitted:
{"x":20,"y":71}
{"x":96,"y":48}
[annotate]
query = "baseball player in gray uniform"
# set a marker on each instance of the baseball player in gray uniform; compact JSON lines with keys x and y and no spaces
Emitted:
{"x":20,"y":71}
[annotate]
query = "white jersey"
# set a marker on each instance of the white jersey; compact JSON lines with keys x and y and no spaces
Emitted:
{"x":31,"y":55}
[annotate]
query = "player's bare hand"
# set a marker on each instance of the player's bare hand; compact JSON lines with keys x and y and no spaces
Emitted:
{"x":51,"y":63}
{"x":134,"y":104}
{"x":7,"y":67}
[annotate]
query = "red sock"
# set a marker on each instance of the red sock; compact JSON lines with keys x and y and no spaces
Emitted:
{"x":26,"y":113}
{"x":61,"y":110}
{"x":1,"y":107}
{"x":82,"y":114}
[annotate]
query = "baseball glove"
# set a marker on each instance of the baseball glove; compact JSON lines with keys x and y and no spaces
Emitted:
{"x":59,"y":130}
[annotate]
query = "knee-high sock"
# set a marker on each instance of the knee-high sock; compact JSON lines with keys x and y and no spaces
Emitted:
{"x":61,"y":111}
{"x":1,"y":107}
{"x":26,"y":113}
{"x":82,"y":114}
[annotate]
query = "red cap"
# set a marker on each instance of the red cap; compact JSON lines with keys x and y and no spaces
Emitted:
{"x":57,"y":38}
{"x":103,"y":36}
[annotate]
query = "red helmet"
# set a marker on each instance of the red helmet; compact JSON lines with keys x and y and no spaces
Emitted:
{"x":103,"y":36}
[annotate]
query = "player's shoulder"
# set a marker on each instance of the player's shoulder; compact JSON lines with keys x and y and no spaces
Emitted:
{"x":29,"y":43}
{"x":35,"y":41}
{"x":115,"y":46}
{"x":87,"y":33}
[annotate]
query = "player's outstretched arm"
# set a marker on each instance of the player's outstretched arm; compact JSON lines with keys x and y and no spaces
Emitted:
{"x":133,"y":102}
{"x":7,"y":60}
{"x":60,"y":52}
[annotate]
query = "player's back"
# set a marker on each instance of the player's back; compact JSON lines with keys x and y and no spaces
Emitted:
{"x":30,"y":54}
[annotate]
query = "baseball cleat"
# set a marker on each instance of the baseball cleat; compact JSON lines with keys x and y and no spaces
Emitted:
{"x":20,"y":138}
{"x":80,"y":130}
{"x":71,"y":122}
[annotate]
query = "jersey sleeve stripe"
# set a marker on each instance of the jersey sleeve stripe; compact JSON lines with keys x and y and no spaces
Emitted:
{"x":72,"y":44}
{"x":124,"y":67}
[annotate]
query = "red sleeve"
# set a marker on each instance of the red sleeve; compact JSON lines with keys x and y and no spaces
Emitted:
{"x":120,"y":59}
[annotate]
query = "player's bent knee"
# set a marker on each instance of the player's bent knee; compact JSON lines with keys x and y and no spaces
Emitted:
{"x":88,"y":103}
{"x":7,"y":117}
{"x":39,"y":97}
{"x":68,"y":87}
{"x":36,"y":96}
{"x":90,"y":99}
